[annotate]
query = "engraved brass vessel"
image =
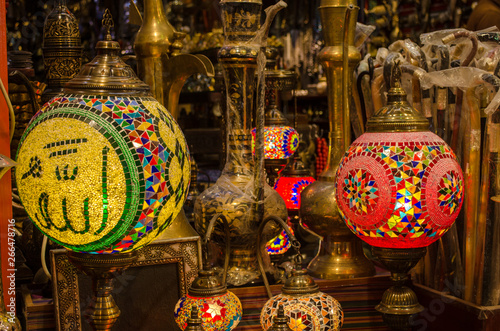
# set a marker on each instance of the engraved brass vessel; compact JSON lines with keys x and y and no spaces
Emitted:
{"x":62,"y":49}
{"x":341,"y":254}
{"x":237,"y":192}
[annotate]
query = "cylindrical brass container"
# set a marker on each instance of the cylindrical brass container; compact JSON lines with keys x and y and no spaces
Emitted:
{"x":341,"y":254}
{"x":236,"y":193}
{"x":62,"y":49}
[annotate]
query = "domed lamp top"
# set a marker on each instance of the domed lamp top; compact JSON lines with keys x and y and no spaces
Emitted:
{"x":399,"y":185}
{"x":306,"y":307}
{"x":103,"y":167}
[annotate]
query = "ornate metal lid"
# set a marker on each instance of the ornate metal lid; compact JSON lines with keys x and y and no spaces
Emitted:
{"x":398,"y":115}
{"x":207,"y":284}
{"x":107,"y":74}
{"x":299,"y":283}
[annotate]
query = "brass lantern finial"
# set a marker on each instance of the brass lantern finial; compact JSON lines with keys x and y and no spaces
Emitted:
{"x":108,"y":23}
{"x":398,"y":115}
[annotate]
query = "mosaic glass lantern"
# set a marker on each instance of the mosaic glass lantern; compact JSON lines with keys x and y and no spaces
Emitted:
{"x":399,"y":188}
{"x":280,"y":244}
{"x":280,"y":140}
{"x":103,"y":167}
{"x":292,"y":181}
{"x":220,"y":309}
{"x":399,"y":185}
{"x":306,"y":307}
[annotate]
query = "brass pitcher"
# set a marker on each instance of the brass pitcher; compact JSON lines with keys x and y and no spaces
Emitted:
{"x":159,"y":64}
{"x":236,"y":192}
{"x":341,"y":254}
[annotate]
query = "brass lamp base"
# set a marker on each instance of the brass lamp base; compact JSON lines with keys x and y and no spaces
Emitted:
{"x":399,"y":303}
{"x":102,"y":312}
{"x":340,"y":260}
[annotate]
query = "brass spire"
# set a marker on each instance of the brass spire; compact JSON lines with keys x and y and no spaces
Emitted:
{"x":397,"y":115}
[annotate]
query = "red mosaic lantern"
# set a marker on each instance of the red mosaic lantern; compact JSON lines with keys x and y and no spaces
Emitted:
{"x":399,"y":185}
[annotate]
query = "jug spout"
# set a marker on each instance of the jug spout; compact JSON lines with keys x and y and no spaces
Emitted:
{"x":177,"y":70}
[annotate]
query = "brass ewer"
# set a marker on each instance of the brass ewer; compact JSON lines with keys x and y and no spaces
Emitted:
{"x":165,"y":70}
{"x":159,"y":62}
{"x":341,"y":254}
{"x":62,"y":49}
{"x":237,"y":192}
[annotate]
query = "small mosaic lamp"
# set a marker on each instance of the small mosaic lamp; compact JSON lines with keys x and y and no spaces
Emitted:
{"x":399,"y":188}
{"x":305,"y":306}
{"x":103,"y":170}
{"x":280,"y":140}
{"x":293,"y":179}
{"x":220,"y":309}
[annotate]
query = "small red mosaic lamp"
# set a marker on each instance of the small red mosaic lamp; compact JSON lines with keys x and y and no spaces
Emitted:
{"x":220,"y":309}
{"x":399,"y":188}
{"x":293,"y":179}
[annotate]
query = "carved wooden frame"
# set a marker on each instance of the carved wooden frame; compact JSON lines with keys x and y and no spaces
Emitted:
{"x":185,"y":252}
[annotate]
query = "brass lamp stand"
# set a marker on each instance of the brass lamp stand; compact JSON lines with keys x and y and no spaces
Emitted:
{"x":102,"y":312}
{"x":341,"y":254}
{"x":399,"y":303}
{"x":276,"y":81}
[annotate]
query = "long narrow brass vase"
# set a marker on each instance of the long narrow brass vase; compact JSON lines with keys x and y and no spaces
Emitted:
{"x":341,"y":254}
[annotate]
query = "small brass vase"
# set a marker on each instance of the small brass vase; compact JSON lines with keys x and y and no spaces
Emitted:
{"x":341,"y":254}
{"x":62,"y":49}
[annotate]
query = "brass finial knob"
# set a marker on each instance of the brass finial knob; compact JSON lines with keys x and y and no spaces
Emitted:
{"x":194,"y":321}
{"x":108,"y":23}
{"x":280,"y":321}
{"x":396,"y":74}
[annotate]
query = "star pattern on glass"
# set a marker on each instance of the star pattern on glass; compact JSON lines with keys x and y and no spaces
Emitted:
{"x":296,"y":324}
{"x":450,"y":192}
{"x":360,"y":190}
{"x":214,"y":309}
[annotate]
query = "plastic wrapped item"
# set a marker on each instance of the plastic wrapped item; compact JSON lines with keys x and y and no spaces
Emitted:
{"x":362,"y":33}
{"x":241,"y":193}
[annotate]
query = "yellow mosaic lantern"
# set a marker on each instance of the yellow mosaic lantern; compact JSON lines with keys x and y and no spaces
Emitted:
{"x":103,"y":167}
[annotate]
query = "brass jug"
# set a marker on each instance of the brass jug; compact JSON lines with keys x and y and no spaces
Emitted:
{"x":341,"y":254}
{"x":165,"y":70}
{"x":236,"y":194}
